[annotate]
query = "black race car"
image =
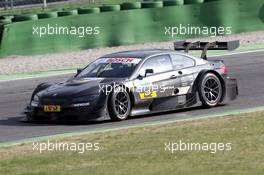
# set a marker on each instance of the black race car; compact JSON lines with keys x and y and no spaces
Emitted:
{"x":130,"y":83}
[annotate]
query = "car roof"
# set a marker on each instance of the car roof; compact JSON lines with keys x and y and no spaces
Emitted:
{"x":137,"y":53}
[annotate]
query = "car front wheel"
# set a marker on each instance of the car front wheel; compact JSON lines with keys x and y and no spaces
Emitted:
{"x":119,"y":105}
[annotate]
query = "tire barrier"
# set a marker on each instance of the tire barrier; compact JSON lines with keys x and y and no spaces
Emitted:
{"x":7,"y":17}
{"x":261,"y":13}
{"x":130,"y":5}
{"x":88,"y":10}
{"x":47,"y":15}
{"x":27,"y":17}
{"x":68,"y":13}
{"x":108,"y":8}
{"x":173,"y":2}
{"x":210,"y":0}
{"x":5,"y":21}
{"x":128,"y":26}
{"x":193,"y":1}
{"x":152,"y":4}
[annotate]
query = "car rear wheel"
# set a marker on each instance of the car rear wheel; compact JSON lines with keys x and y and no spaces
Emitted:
{"x":210,"y":90}
{"x":119,"y":105}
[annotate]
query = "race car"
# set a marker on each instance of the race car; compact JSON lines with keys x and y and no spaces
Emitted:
{"x":130,"y":83}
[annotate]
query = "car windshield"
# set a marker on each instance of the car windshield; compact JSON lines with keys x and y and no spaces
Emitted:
{"x":110,"y":68}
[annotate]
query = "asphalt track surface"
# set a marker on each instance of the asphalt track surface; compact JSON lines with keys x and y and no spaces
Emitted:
{"x":248,"y":68}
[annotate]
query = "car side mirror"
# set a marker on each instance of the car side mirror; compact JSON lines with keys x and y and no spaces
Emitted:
{"x":140,"y":77}
{"x":149,"y":71}
{"x":79,"y":71}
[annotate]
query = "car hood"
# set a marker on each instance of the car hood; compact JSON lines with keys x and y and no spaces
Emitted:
{"x":78,"y":87}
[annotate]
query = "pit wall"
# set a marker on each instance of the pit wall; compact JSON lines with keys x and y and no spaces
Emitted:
{"x":121,"y":27}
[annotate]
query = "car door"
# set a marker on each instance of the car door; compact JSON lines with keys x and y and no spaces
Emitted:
{"x":160,"y":84}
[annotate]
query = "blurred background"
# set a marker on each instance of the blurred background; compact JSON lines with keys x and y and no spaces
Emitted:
{"x":10,"y":4}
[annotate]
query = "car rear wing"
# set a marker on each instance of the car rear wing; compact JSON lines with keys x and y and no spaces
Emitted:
{"x":204,"y":46}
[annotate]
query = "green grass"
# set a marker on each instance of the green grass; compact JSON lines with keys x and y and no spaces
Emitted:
{"x":57,"y":7}
{"x":141,"y":151}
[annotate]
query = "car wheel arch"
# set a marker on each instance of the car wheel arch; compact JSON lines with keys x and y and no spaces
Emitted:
{"x":109,"y":101}
{"x":130,"y":93}
{"x":201,"y":75}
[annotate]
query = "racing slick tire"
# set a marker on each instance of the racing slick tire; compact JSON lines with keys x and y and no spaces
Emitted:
{"x":210,"y":90}
{"x":119,"y":104}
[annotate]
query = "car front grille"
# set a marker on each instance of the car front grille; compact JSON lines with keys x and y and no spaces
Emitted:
{"x":55,"y":101}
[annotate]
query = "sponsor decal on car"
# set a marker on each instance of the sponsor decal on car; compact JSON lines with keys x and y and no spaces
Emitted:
{"x":149,"y":94}
{"x":142,"y":83}
{"x":121,"y":60}
{"x":52,"y":108}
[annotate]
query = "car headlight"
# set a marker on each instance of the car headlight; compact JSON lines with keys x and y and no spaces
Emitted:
{"x":35,"y":101}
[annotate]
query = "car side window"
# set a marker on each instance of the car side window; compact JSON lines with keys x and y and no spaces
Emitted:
{"x":181,"y":61}
{"x":159,"y":64}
